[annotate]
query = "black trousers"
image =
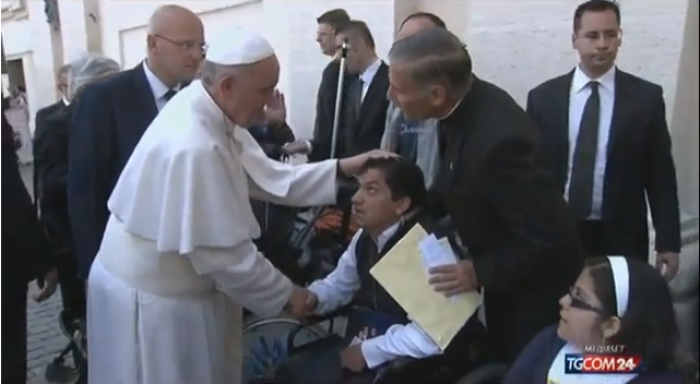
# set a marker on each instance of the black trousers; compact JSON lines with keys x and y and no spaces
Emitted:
{"x":14,"y":340}
{"x":592,"y":237}
{"x":72,"y":286}
{"x":596,"y":243}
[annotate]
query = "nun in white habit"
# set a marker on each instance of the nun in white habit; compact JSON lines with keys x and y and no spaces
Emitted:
{"x":177,"y":262}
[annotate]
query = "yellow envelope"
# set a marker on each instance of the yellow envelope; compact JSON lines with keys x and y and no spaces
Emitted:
{"x":402,"y":273}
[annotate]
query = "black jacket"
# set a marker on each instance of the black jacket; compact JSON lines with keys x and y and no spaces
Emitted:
{"x":509,"y":214}
{"x":639,"y":165}
{"x":51,"y":171}
{"x":25,"y":251}
{"x":366,"y":131}
{"x":109,"y":119}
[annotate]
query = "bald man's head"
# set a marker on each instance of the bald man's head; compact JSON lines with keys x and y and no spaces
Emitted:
{"x":418,"y":22}
{"x":175,"y":44}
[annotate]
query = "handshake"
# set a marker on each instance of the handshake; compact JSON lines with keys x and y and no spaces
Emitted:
{"x":302,"y":303}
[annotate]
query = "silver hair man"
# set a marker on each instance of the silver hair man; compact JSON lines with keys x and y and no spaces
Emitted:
{"x":436,"y":61}
{"x":211,"y":73}
{"x":87,"y":70}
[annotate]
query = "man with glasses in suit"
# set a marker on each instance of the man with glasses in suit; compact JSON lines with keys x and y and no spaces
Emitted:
{"x":111,"y":116}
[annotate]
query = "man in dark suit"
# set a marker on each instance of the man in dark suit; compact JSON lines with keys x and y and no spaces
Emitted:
{"x":111,"y":116}
{"x":25,"y":254}
{"x":61,"y":84}
{"x":50,"y":149}
{"x":515,"y":225}
{"x":47,"y":112}
{"x":605,"y":140}
{"x":329,"y":24}
{"x":364,"y":106}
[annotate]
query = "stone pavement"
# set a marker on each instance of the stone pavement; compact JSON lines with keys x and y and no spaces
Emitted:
{"x":44,"y":337}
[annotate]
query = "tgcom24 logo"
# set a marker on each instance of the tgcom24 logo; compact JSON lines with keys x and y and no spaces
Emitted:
{"x":594,"y":363}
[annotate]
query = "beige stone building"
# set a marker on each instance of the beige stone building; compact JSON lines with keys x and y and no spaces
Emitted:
{"x":514,"y":43}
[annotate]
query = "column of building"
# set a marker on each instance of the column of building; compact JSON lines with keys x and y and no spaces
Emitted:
{"x":80,"y":26}
{"x":685,"y":115}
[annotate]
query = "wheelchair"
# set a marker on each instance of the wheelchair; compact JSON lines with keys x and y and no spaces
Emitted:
{"x":270,"y":343}
{"x":298,"y":249}
{"x":60,"y":370}
{"x":297,"y":346}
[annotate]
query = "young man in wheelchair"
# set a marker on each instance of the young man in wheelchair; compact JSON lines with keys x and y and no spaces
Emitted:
{"x":388,"y":204}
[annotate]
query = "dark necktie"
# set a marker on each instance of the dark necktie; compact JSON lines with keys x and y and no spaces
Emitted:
{"x":583,"y":167}
{"x":357,"y":96}
{"x":169,"y":95}
{"x":351,"y":116}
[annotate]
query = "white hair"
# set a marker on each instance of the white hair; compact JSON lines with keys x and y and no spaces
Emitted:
{"x":87,"y":69}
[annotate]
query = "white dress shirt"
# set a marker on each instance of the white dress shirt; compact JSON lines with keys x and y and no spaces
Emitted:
{"x":580,"y":91}
{"x":340,"y":286}
{"x":368,"y":75}
{"x":157,"y":87}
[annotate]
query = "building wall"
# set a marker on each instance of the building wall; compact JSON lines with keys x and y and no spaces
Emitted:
{"x":685,"y":115}
{"x":516,"y":44}
{"x":27,"y":36}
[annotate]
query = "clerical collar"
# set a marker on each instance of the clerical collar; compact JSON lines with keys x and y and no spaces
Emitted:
{"x":467,"y":99}
{"x":452,"y":110}
{"x":65,"y":101}
{"x":462,"y":100}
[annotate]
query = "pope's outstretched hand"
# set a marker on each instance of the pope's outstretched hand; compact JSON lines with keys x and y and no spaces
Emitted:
{"x":351,"y":165}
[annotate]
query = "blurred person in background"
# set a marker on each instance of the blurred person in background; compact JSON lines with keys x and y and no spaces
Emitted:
{"x":111,"y":117}
{"x":25,"y":255}
{"x":414,"y":140}
{"x":61,"y":86}
{"x":51,"y":175}
{"x":18,"y":115}
{"x":364,"y":108}
{"x":319,"y":147}
{"x":46,"y":113}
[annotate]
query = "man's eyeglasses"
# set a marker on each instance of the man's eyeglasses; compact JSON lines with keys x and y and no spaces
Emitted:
{"x":184,"y":45}
{"x":579,"y":303}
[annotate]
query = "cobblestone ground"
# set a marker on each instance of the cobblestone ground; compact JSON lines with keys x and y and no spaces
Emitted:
{"x":44,"y":337}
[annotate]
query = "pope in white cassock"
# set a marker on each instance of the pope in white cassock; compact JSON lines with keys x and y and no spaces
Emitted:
{"x":177,"y":262}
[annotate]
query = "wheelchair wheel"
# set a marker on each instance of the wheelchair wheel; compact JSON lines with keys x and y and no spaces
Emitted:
{"x":265,"y":344}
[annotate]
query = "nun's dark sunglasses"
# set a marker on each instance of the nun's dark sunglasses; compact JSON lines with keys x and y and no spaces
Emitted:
{"x":581,"y":304}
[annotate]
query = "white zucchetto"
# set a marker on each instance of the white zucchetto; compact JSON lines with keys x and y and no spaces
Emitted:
{"x":239,"y":47}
